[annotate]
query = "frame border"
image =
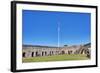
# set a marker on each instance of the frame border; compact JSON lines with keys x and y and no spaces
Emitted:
{"x":13,"y":35}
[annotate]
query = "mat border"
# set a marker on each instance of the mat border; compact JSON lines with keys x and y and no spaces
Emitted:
{"x":13,"y":35}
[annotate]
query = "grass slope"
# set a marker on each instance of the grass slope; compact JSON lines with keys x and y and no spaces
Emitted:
{"x":55,"y":58}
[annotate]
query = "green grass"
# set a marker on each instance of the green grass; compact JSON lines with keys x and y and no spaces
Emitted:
{"x":55,"y":58}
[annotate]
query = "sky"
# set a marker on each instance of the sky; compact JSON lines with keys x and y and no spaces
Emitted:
{"x":41,"y":28}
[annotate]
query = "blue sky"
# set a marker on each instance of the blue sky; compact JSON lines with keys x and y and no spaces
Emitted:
{"x":41,"y":28}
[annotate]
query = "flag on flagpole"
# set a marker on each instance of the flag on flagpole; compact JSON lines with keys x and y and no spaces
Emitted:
{"x":58,"y":34}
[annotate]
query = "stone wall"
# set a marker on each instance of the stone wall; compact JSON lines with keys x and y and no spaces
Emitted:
{"x":35,"y":51}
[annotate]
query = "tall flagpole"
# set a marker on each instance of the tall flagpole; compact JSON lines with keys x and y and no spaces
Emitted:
{"x":58,"y":35}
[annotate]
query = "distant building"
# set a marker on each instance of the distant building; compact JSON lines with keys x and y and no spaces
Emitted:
{"x":37,"y":50}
